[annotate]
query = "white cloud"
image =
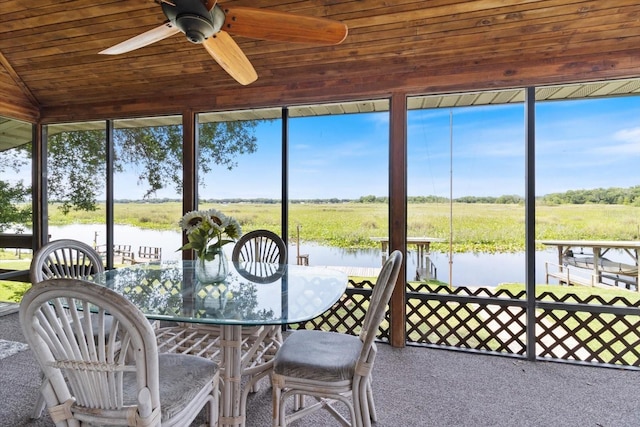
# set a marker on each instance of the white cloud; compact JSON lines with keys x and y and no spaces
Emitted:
{"x":630,"y":142}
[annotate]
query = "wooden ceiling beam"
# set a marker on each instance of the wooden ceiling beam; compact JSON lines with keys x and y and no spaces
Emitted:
{"x":27,"y":104}
{"x":423,"y":79}
{"x":404,"y":45}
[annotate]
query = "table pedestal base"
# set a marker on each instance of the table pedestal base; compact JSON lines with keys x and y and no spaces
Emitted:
{"x":239,"y":351}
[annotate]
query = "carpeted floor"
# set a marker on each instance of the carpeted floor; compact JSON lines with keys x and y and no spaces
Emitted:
{"x":416,"y":387}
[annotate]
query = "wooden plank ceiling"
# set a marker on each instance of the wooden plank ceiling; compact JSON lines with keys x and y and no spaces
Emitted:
{"x":50,"y":69}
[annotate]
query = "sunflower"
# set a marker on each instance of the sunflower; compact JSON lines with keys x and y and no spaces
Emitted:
{"x":206,"y":231}
{"x":192,"y":221}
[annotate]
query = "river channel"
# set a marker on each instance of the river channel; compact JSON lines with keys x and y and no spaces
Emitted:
{"x":468,"y":269}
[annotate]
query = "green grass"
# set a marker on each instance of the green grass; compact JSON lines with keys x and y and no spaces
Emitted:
{"x":9,"y":290}
{"x":582,"y":292}
{"x":12,"y":291}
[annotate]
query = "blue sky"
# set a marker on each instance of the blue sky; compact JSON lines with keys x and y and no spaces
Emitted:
{"x":589,"y":144}
{"x":579,"y":145}
{"x":329,"y":156}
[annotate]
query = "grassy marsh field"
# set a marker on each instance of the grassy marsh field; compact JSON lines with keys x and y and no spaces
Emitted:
{"x":476,"y":227}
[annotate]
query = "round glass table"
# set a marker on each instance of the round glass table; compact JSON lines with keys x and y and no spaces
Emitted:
{"x":236,"y":322}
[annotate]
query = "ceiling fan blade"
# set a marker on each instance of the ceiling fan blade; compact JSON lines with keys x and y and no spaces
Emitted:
{"x":210,"y":3}
{"x":283,"y":26}
{"x":228,"y":54}
{"x":141,"y":40}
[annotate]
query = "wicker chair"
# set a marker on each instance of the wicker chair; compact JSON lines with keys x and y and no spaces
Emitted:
{"x":332,"y":366}
{"x":64,"y":258}
{"x":260,"y":246}
{"x":254,"y":255}
{"x":89,"y":382}
{"x":261,"y":255}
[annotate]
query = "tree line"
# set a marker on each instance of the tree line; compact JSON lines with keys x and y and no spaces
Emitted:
{"x":603,"y":196}
{"x":600,"y":196}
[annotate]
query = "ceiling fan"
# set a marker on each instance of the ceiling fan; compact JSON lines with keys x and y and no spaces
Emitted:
{"x":204,"y":22}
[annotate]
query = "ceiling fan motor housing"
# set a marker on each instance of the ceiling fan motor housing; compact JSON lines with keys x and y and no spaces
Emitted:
{"x":191,"y":17}
{"x":194,"y":27}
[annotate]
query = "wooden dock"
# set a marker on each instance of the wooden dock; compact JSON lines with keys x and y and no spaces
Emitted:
{"x":598,"y":272}
{"x":424,"y":269}
{"x":566,"y":275}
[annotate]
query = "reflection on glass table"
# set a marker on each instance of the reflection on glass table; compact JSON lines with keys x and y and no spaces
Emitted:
{"x":253,"y":294}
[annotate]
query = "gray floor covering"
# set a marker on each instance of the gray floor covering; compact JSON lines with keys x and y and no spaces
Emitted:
{"x":417,"y":387}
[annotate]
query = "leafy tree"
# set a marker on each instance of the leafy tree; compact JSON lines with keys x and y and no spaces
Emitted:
{"x":77,"y":159}
{"x":509,"y":199}
{"x":367,"y":199}
{"x":14,"y":209}
{"x":76,"y":169}
{"x":604,"y":196}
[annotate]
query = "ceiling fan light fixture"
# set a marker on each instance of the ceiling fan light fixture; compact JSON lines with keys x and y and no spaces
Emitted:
{"x":195,"y":27}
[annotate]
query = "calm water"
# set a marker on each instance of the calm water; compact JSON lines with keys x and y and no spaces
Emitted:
{"x":468,"y":269}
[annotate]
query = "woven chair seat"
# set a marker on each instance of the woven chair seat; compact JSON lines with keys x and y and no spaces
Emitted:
{"x":310,"y":354}
{"x":181,"y":379}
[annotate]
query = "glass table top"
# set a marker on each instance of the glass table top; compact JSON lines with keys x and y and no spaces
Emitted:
{"x":252,"y":293}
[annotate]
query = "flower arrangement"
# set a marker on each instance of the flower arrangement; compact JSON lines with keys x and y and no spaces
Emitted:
{"x":206,"y":231}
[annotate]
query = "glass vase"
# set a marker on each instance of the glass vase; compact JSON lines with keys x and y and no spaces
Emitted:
{"x":213,"y":271}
